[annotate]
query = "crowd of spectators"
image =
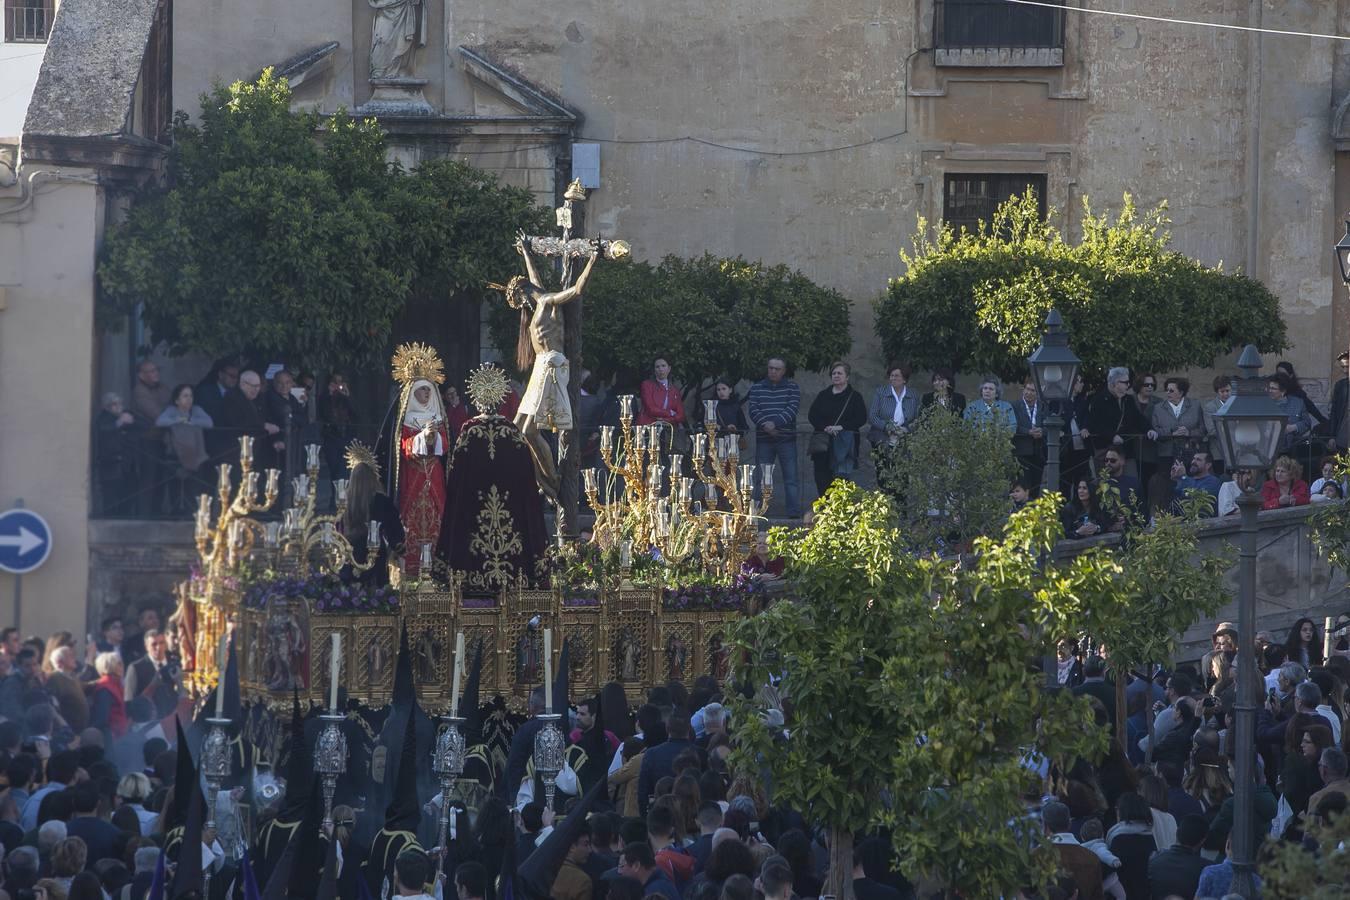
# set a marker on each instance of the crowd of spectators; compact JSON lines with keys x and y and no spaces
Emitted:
{"x":84,"y":762}
{"x":1155,"y":818}
{"x":681,"y":822}
{"x":85,"y":800}
{"x":156,"y":456}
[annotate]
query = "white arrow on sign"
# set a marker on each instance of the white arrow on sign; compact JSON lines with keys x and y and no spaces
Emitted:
{"x":25,"y":540}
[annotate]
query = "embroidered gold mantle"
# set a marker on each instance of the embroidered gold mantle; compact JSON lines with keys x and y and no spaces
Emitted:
{"x":496,"y":539}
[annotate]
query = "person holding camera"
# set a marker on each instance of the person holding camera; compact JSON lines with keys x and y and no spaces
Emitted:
{"x":1167,"y":715}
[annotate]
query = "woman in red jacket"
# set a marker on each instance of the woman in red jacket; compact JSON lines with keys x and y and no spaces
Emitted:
{"x":1286,"y":488}
{"x":661,"y":401}
{"x":107,"y":711}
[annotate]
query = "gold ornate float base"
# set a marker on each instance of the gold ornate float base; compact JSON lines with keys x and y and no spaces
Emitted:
{"x":626,"y":636}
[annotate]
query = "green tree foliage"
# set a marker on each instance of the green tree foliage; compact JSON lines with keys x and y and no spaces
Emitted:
{"x":1166,"y":586}
{"x":907,"y":680}
{"x":1331,"y":525}
{"x":950,"y":478}
{"x":1290,"y":871}
{"x":914,"y":683}
{"x":709,"y":318}
{"x":977,"y":300}
{"x":291,"y":234}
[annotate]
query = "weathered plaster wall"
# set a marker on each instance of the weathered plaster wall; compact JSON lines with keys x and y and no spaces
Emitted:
{"x":19,"y":65}
{"x":1233,"y":130}
{"x":46,"y":339}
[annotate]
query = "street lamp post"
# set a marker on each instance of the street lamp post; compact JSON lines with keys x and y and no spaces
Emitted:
{"x":1053,"y":366}
{"x":1342,"y":251}
{"x":1250,"y":428}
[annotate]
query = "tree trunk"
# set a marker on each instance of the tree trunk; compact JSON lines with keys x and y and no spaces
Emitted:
{"x":839,"y":879}
{"x":1121,"y":675}
{"x":1148,"y":715}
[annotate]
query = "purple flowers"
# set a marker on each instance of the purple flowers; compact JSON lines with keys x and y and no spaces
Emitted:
{"x":713,"y":597}
{"x":327,"y":592}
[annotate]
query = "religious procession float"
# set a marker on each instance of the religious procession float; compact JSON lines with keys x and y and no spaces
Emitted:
{"x":448,"y":540}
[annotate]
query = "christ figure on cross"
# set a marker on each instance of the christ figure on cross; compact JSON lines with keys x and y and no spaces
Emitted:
{"x":539,"y":349}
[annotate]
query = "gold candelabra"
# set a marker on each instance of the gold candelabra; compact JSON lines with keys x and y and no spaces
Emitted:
{"x":647,"y":503}
{"x":232,"y":538}
{"x":221,"y":545}
{"x":304,"y":537}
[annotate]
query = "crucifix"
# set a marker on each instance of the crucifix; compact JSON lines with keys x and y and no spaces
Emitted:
{"x":545,"y":346}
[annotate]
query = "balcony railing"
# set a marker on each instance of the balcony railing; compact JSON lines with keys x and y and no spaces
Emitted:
{"x":996,"y":32}
{"x":28,"y":23}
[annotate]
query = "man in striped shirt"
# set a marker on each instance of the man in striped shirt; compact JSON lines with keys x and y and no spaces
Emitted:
{"x":772,"y":406}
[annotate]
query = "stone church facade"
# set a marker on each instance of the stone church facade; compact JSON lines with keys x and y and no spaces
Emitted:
{"x":789,"y":131}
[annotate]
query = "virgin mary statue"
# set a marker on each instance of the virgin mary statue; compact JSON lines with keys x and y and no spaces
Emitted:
{"x":412,"y":448}
{"x":398,"y":29}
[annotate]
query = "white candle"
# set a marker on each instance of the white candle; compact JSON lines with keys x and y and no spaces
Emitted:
{"x":1326,"y":638}
{"x":245,"y":449}
{"x":548,"y":669}
{"x":340,"y":488}
{"x":710,"y":410}
{"x":766,"y":474}
{"x":606,"y":438}
{"x":334,"y":655}
{"x":700,"y":448}
{"x":224,"y":481}
{"x":625,"y":553}
{"x":372,"y":538}
{"x":626,"y":406}
{"x":273,"y":481}
{"x":459,"y":665}
{"x":220,"y":681}
{"x":312,"y":456}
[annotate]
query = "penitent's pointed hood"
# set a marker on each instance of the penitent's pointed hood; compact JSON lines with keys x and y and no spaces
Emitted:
{"x":404,"y":811}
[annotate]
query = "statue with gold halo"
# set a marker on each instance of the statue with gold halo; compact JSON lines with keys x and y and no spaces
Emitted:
{"x":412,"y":447}
{"x":493,"y":531}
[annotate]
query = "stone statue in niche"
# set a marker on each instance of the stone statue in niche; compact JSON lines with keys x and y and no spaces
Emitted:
{"x":399,"y":28}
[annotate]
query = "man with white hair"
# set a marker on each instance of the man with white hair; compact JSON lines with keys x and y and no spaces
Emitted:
{"x":1108,"y":413}
{"x":21,"y":869}
{"x":115,"y":430}
{"x":708,"y":721}
{"x":50,"y":833}
{"x":145,"y":860}
{"x":64,"y":686}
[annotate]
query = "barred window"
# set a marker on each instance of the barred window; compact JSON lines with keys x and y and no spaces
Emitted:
{"x":986,"y":24}
{"x":968,"y":199}
{"x":28,"y":21}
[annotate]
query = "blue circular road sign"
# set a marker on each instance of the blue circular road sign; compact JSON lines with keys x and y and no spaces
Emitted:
{"x":25,"y":541}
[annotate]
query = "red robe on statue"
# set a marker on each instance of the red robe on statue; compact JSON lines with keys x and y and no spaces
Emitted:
{"x":421,"y":494}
